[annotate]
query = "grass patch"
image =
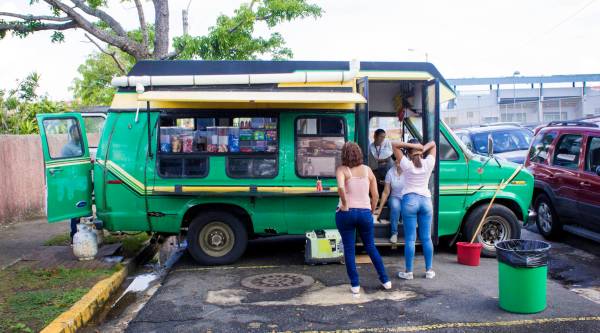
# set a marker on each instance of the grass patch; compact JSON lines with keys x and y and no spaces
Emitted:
{"x":59,"y":240}
{"x":132,"y":244}
{"x":31,"y":298}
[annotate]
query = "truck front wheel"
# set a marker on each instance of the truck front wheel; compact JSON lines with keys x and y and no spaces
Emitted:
{"x":500,"y":224}
{"x":216,"y":238}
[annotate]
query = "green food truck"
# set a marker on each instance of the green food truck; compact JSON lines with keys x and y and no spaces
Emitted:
{"x":227,"y":151}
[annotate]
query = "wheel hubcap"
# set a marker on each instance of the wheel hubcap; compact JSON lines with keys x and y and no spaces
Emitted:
{"x":495,"y":229}
{"x":216,"y":239}
{"x":545,"y":217}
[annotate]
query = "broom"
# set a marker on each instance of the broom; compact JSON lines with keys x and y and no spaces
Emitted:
{"x":501,"y":186}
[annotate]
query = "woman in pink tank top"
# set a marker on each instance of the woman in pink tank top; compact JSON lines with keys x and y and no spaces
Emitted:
{"x":355,"y":212}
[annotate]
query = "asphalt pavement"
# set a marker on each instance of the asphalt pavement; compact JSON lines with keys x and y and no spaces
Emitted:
{"x":271,"y":290}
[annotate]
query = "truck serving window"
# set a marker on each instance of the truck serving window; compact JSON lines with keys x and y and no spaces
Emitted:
{"x":319,"y":142}
{"x":182,"y":144}
{"x":250,"y":145}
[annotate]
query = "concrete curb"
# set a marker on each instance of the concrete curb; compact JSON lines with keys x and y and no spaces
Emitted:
{"x":85,"y":309}
{"x":93,"y":302}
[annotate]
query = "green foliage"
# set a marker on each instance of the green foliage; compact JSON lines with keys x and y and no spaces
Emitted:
{"x":232,"y":36}
{"x":19,"y":106}
{"x":93,"y":87}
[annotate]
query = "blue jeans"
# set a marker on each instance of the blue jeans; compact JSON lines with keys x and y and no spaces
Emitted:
{"x":347,"y":224}
{"x":74,"y":223}
{"x":417,"y":210}
{"x":394,"y":203}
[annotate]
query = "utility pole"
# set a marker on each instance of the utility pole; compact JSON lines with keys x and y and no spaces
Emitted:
{"x":184,"y":18}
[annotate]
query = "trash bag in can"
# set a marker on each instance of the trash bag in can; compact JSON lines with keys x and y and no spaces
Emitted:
{"x":523,"y":253}
{"x":522,"y":275}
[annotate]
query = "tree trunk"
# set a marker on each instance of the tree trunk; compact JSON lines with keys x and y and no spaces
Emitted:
{"x":161,"y":24}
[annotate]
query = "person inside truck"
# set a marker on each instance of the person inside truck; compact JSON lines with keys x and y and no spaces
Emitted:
{"x":417,"y":208}
{"x":394,"y":185}
{"x":73,"y":147}
{"x":355,"y":212}
{"x":380,"y":156}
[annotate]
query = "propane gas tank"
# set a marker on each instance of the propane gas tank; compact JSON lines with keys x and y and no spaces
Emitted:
{"x":85,"y":242}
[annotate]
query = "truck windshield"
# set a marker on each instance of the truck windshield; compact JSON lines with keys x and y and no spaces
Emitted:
{"x":504,"y":140}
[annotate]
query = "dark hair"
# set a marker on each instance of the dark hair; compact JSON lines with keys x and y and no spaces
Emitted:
{"x":379,"y":131}
{"x":351,"y":155}
{"x":415,"y":158}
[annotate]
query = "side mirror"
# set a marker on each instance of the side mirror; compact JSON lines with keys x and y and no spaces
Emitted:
{"x":490,"y":146}
{"x":598,"y":170}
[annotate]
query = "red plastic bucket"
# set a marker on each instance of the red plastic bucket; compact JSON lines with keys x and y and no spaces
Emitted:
{"x":468,"y":253}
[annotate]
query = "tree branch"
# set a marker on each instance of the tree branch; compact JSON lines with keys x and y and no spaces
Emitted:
{"x":161,"y":26}
{"x":36,"y":18}
{"x":124,"y":43}
{"x":24,"y":28}
{"x":143,"y":27}
{"x":237,"y":26}
{"x":113,"y":54}
{"x":112,"y":23}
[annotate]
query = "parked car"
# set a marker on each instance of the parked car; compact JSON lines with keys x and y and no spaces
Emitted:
{"x":511,"y":142}
{"x":565,"y":160}
{"x":93,"y":119}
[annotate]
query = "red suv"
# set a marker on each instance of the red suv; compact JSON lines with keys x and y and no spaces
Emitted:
{"x":564,"y":158}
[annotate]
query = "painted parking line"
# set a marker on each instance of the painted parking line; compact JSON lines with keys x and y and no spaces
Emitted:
{"x":432,"y":327}
{"x":222,"y":268}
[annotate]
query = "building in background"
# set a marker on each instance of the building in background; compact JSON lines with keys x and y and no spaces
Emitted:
{"x":528,"y":100}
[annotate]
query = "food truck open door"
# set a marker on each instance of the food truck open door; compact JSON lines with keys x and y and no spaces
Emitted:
{"x":431,"y":132}
{"x":362,"y":118}
{"x":67,"y":166}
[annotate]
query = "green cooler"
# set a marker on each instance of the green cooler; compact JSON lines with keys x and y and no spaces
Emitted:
{"x":522,"y":273}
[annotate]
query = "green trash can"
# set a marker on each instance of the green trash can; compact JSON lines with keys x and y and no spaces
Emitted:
{"x":522,"y":272}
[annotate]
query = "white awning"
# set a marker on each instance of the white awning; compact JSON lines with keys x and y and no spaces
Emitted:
{"x":253,"y":97}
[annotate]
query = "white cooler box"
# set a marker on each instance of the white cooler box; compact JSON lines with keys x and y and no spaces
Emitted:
{"x":323,"y":246}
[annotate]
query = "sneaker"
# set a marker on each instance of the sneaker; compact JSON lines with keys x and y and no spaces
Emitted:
{"x":429,"y":274}
{"x":394,"y":239}
{"x":405,"y":275}
{"x":387,"y":285}
{"x":355,"y":290}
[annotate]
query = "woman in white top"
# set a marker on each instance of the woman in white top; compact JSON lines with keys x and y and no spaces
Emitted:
{"x":394,"y":185}
{"x":417,"y":208}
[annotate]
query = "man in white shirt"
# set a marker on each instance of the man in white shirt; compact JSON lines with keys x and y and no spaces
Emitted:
{"x":380,"y":156}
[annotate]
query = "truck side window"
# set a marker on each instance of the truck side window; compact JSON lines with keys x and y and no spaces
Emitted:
{"x":319,"y":142}
{"x":567,"y":151}
{"x":447,"y":152}
{"x":182,"y":141}
{"x":63,"y":138}
{"x":538,"y":153}
{"x":255,"y":139}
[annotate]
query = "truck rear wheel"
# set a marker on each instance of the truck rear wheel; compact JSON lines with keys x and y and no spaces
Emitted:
{"x":216,"y":238}
{"x":500,"y":224}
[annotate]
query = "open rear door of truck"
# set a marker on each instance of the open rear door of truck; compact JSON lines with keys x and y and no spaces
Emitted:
{"x":431,"y":132}
{"x":67,"y":166}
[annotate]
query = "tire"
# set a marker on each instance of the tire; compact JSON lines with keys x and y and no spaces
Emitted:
{"x":216,"y":238}
{"x":500,"y":224}
{"x":546,"y":220}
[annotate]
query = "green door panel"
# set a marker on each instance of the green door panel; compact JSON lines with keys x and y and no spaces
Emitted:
{"x":67,"y":166}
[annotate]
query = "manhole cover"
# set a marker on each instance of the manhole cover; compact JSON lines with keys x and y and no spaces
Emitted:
{"x":277,"y":281}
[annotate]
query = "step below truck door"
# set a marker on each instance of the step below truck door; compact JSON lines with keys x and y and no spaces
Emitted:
{"x":67,"y":166}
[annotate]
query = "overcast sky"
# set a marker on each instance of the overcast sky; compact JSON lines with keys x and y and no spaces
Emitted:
{"x":463,"y":38}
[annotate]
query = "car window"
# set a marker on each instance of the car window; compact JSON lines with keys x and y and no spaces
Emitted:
{"x":447,"y":152}
{"x":592,"y":159}
{"x":319,"y":142}
{"x":504,"y":140}
{"x":93,"y":129}
{"x":540,"y":147}
{"x":567,"y":151}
